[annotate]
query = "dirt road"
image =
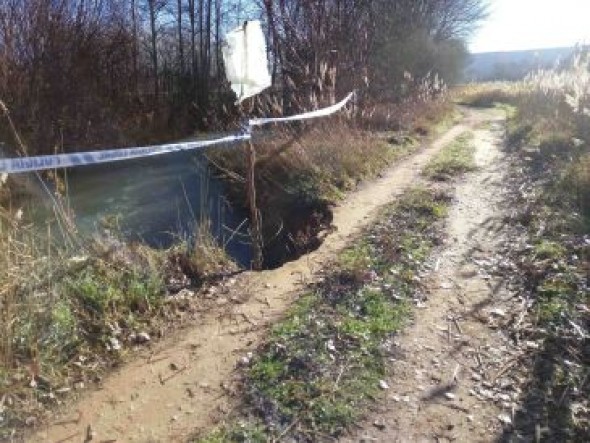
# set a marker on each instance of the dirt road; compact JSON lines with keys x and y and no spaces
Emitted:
{"x":450,"y":359}
{"x":179,"y":386}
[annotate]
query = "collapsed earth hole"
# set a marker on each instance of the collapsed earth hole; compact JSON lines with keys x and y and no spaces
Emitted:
{"x":295,"y":230}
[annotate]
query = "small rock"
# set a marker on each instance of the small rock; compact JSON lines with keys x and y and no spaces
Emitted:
{"x":486,"y":393}
{"x":246,"y":359}
{"x":475,"y":394}
{"x":114,"y":344}
{"x":379,"y":425}
{"x":498,"y":312}
{"x":505,"y":419}
{"x":79,"y":385}
{"x":470,"y":418}
{"x":383,"y":385}
{"x":449,"y":396}
{"x":185,"y":293}
{"x":142,"y":337}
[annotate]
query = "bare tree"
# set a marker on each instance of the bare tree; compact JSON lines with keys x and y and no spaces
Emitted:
{"x":81,"y":72}
{"x":180,"y":36}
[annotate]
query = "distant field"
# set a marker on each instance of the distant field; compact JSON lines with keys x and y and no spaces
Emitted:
{"x":512,"y":65}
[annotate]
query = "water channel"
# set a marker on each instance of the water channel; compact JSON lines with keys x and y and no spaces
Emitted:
{"x":156,"y":200}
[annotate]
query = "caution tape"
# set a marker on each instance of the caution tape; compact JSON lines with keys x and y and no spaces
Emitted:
{"x":44,"y":162}
{"x":324,"y":112}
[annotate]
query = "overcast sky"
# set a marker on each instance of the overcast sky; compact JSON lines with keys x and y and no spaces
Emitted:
{"x":533,"y":24}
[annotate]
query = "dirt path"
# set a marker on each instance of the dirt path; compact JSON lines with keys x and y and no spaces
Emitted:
{"x":450,"y":359}
{"x":180,"y":385}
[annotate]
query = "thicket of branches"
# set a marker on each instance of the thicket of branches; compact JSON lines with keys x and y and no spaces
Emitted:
{"x":89,"y":73}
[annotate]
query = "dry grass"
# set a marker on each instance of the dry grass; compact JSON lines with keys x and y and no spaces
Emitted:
{"x":300,"y":172}
{"x":577,"y":183}
{"x":554,"y":109}
{"x":58,"y":312}
{"x":331,"y":154}
{"x":550,"y":118}
{"x":487,"y":94}
{"x":304,"y":168}
{"x":69,"y":313}
{"x":549,"y":136}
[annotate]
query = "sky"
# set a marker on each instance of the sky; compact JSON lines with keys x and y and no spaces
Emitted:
{"x":533,"y":24}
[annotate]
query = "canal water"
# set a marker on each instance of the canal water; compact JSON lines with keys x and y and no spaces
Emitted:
{"x":156,"y":200}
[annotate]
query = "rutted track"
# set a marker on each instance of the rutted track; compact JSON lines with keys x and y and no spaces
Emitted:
{"x":179,"y":386}
{"x":448,"y":383}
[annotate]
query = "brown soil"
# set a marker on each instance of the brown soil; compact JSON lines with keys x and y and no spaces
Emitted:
{"x":445,"y":383}
{"x":182,"y":383}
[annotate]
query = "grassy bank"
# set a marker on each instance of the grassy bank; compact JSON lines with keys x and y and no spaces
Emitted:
{"x":548,"y":135}
{"x":70,"y":312}
{"x":325,"y":363}
{"x":302,"y":171}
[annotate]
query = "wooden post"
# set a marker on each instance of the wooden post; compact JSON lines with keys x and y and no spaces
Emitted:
{"x":255,"y":228}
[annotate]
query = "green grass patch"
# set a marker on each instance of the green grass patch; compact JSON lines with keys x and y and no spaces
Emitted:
{"x":454,"y":159}
{"x":547,"y":249}
{"x":320,"y":367}
{"x":73,"y":330}
{"x":67,"y":319}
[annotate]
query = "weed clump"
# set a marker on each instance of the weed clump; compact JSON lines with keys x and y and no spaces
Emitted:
{"x":453,"y":160}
